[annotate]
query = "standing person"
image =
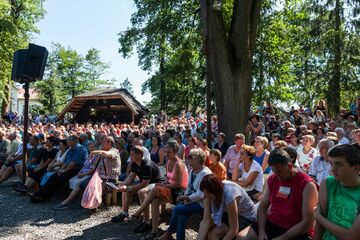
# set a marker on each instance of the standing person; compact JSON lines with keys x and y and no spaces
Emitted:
{"x":337,"y":215}
{"x":233,"y":154}
{"x":286,"y":208}
{"x":227,"y":209}
{"x":193,"y":195}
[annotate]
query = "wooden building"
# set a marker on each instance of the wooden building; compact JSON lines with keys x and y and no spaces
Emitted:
{"x":104,"y":105}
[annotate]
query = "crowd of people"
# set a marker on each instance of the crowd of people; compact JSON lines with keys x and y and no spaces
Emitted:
{"x":290,"y":175}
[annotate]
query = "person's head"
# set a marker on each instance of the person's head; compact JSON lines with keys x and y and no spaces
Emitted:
{"x":136,"y":154}
{"x":221,"y":137}
{"x":324,"y":146}
{"x":275,"y":137}
{"x":281,"y":163}
{"x":294,"y":139}
{"x":287,"y":124}
{"x":92,"y":146}
{"x":212,"y":187}
{"x":63,"y":145}
{"x":170,"y":149}
{"x":308,"y":140}
{"x":203,"y":144}
{"x":155,"y":141}
{"x":280,"y":144}
{"x":320,"y":131}
{"x":291,"y":130}
{"x":215,"y":156}
{"x":197,"y":158}
{"x":255,"y":118}
{"x":34,"y":141}
{"x":345,"y":161}
{"x":340,"y":132}
{"x":357,"y":135}
{"x":261,"y":143}
{"x":239,"y":139}
{"x":51,"y":141}
{"x":83,"y":138}
{"x":292,"y":153}
{"x":108,"y":143}
{"x":178,"y":138}
{"x":72,"y":140}
{"x":247,"y":153}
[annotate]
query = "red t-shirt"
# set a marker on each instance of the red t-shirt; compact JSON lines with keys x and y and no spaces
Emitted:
{"x":286,"y":200}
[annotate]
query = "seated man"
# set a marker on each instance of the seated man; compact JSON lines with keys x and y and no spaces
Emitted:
{"x":74,"y":161}
{"x":337,"y":216}
{"x":11,"y":161}
{"x":286,"y":208}
{"x":149,"y":174}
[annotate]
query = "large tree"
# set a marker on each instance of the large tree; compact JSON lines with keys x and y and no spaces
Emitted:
{"x":229,"y":52}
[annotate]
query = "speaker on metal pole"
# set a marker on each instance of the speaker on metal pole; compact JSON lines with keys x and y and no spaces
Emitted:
{"x":29,"y":64}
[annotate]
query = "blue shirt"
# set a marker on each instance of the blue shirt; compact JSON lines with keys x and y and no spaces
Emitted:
{"x":78,"y":155}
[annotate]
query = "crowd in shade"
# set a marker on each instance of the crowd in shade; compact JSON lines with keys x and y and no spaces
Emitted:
{"x":289,"y":175}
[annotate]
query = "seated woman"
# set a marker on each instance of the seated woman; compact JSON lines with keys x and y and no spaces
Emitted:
{"x":47,"y":155}
{"x":168,"y":191}
{"x":227,"y":209}
{"x":248,"y":173}
{"x":261,"y":154}
{"x":84,"y":175}
{"x":216,"y":166}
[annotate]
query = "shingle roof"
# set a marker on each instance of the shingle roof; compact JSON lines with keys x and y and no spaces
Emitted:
{"x":112,"y":93}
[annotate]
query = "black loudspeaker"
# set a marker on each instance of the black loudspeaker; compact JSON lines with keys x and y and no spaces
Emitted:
{"x":29,"y":64}
{"x":18,"y":65}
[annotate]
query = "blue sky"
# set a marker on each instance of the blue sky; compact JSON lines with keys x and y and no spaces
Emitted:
{"x":83,"y":24}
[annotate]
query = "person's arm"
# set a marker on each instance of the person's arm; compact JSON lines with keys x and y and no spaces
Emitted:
{"x":206,"y":223}
{"x":233,"y":220}
{"x":102,"y":153}
{"x":322,"y":204}
{"x":310,"y":197}
{"x":161,"y":157}
{"x":136,"y":187}
{"x":262,"y":212}
{"x":264,"y":165}
{"x":249,"y":181}
{"x":235,"y":171}
{"x":336,"y":230}
{"x":68,"y":167}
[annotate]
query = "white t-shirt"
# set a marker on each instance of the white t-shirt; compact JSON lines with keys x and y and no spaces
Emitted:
{"x":259,"y":180}
{"x":320,"y":169}
{"x":246,"y":207}
{"x":305,"y":160}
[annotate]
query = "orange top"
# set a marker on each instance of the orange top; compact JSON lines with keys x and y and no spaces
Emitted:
{"x":219,"y":170}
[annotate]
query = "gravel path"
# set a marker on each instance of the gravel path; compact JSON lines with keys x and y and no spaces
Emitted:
{"x":21,"y":219}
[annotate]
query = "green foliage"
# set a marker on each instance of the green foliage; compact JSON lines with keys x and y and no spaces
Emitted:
{"x":127,"y":85}
{"x":167,"y":34}
{"x":69,"y":74}
{"x":17,"y":24}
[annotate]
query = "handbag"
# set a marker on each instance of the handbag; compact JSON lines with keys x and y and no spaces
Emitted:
{"x":92,"y":196}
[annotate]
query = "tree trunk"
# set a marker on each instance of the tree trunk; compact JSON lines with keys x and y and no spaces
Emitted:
{"x":334,"y":84}
{"x":230,"y":59}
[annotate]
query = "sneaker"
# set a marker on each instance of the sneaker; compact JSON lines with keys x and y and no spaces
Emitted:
{"x":22,"y":189}
{"x":120,"y":217}
{"x":142,"y":228}
{"x":61,"y":207}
